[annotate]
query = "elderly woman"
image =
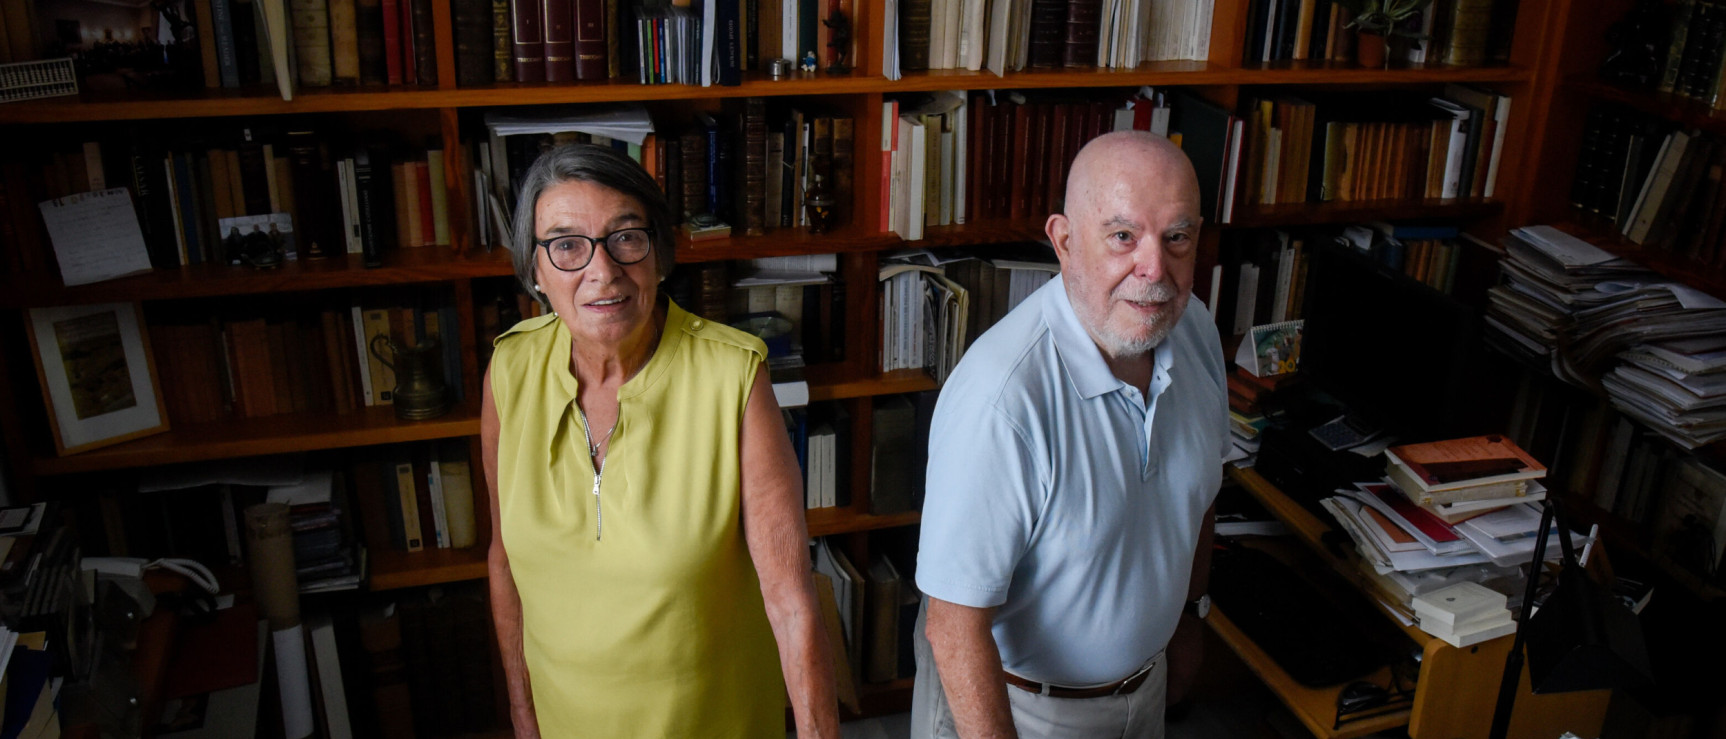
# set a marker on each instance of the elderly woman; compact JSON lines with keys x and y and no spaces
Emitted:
{"x":648,"y":545}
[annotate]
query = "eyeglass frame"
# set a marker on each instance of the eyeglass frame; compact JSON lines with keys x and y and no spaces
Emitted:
{"x":594,"y":245}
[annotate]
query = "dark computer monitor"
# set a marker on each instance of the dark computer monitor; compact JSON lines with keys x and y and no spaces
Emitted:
{"x":1392,"y":349}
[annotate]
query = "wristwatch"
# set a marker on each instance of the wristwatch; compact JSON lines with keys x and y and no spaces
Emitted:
{"x":1200,"y":607}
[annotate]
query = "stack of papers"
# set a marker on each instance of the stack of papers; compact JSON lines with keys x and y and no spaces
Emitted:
{"x":1676,"y":387}
{"x":629,"y":122}
{"x":1392,"y":534}
{"x":1549,"y":275}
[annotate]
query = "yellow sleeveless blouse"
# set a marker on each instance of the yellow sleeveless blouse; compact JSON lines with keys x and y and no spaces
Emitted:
{"x":646,"y":621}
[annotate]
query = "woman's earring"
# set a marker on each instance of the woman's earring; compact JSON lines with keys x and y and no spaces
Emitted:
{"x":536,"y":289}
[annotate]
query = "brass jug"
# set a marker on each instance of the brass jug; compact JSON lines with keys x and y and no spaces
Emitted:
{"x":420,"y":392}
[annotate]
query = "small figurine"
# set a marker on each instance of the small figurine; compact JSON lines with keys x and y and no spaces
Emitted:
{"x":808,"y":61}
{"x":839,"y":41}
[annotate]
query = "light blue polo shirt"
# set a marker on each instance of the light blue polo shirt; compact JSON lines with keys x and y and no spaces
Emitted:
{"x":1058,"y":494}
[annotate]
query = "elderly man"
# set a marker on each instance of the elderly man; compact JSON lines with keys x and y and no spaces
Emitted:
{"x":1073,"y":459}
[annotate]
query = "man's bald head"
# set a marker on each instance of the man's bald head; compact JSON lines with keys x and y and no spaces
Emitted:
{"x":1128,"y":239}
{"x":1103,"y":161}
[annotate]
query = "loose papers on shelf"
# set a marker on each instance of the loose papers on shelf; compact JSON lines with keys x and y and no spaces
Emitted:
{"x":96,"y":236}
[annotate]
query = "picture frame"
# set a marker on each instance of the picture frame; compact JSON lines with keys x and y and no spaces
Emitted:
{"x":97,"y":373}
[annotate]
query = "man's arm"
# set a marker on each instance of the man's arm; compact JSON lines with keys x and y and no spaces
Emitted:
{"x":505,"y":600}
{"x":1186,"y":649}
{"x":774,"y":530}
{"x":970,"y":665}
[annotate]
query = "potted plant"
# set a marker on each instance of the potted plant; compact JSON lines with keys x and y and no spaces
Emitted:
{"x":1376,"y":21}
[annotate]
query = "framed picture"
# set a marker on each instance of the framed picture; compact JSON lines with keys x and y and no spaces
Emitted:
{"x":98,"y":377}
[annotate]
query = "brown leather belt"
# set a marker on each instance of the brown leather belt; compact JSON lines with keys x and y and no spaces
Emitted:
{"x":1121,"y":687}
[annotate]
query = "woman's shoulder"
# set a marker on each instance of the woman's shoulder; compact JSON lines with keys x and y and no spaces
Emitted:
{"x":522,"y":330}
{"x":707,"y":337}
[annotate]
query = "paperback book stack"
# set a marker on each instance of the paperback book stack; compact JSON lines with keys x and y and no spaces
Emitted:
{"x":1463,"y":614}
{"x":1550,"y":278}
{"x":1676,"y":387}
{"x":1458,"y":479}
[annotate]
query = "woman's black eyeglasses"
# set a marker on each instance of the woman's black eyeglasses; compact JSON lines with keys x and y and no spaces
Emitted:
{"x":573,"y":253}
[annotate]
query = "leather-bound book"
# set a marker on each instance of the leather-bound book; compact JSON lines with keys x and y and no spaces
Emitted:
{"x":502,"y":51}
{"x":694,"y":171}
{"x":369,"y":30}
{"x":344,"y":43}
{"x":1084,"y":18}
{"x":754,"y":166}
{"x":844,"y":171}
{"x":914,"y":35}
{"x":559,"y":25}
{"x":527,"y":38}
{"x":425,"y":42}
{"x":590,"y":46}
{"x":311,"y":22}
{"x":473,"y":57}
{"x":1048,"y":33}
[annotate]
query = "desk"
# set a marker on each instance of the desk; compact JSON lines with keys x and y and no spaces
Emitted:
{"x":1458,"y":688}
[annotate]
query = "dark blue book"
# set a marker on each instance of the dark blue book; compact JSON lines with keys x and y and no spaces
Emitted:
{"x":227,"y":55}
{"x":189,"y":210}
{"x":730,"y":62}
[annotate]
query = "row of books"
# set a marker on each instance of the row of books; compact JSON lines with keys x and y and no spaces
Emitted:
{"x":873,"y":609}
{"x":316,"y":43}
{"x":422,"y":494}
{"x":1621,"y":467}
{"x":1680,"y":203}
{"x":748,"y":170}
{"x":1454,"y":32}
{"x":249,"y":365}
{"x":798,"y":289}
{"x":930,"y":310}
{"x":1650,"y":347}
{"x":195,"y":200}
{"x":1331,"y":148}
{"x":821,"y":434}
{"x":1015,"y":34}
{"x":423,"y":662}
{"x":1694,"y":51}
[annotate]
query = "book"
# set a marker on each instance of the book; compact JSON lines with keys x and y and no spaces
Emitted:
{"x":458,"y":493}
{"x":1458,"y":605}
{"x":1457,"y":464}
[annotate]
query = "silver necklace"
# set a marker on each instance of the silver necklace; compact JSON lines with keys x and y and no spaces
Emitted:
{"x":598,"y":466}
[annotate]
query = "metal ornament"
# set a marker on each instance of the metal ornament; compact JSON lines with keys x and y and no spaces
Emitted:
{"x":420,"y":392}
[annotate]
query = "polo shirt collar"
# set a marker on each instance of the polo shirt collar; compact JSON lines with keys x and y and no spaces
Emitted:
{"x":1090,"y":374}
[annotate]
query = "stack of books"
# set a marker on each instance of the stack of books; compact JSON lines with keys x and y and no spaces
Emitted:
{"x":1463,"y":614}
{"x":1550,"y":276}
{"x":1458,"y":479}
{"x":1677,"y":387}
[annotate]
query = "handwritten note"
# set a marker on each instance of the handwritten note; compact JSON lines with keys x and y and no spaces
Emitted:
{"x":96,"y":236}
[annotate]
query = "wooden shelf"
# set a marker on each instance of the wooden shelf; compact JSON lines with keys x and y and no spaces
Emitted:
{"x":401,"y":266}
{"x":281,"y":434}
{"x":1315,"y":707}
{"x":1311,"y":214}
{"x":890,"y":383}
{"x":1678,"y":267}
{"x":829,"y":521}
{"x":783,"y":242}
{"x":264,"y":101}
{"x":1348,"y":73}
{"x":392,"y":568}
{"x":1311,"y":530}
{"x":1677,"y":108}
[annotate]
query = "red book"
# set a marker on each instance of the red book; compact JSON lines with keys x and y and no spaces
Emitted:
{"x":1037,"y":180}
{"x":393,"y":40}
{"x":405,"y":24}
{"x":590,"y":50}
{"x":1142,"y":109}
{"x":1005,"y":115}
{"x":1433,"y":526}
{"x":982,"y":141}
{"x":527,"y":39}
{"x":1060,"y":116}
{"x":559,"y":21}
{"x":428,"y":220}
{"x":1019,"y":194}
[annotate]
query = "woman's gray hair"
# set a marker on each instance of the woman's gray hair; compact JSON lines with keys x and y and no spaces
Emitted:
{"x":602,"y":166}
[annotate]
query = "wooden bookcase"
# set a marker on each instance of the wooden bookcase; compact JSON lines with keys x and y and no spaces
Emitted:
{"x":1535,"y":78}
